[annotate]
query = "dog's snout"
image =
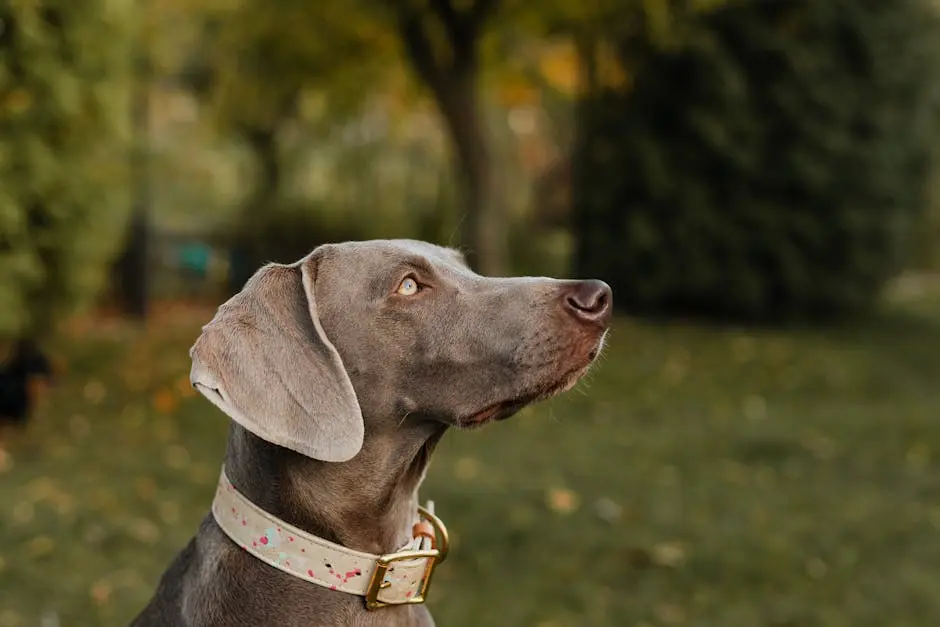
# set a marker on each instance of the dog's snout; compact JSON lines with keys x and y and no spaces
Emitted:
{"x":589,"y":301}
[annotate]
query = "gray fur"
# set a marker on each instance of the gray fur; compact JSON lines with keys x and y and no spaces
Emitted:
{"x":339,"y":389}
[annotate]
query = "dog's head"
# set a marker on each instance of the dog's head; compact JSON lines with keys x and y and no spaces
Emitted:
{"x":361,"y":336}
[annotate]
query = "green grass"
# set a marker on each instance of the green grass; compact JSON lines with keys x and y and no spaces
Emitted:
{"x":704,"y":477}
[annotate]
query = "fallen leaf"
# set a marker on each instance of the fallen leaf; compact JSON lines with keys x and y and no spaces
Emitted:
{"x":676,"y":367}
{"x":670,"y":614}
{"x":95,"y":391}
{"x":9,"y":618}
{"x":165,"y":401}
{"x":144,"y":530}
{"x":638,"y":558}
{"x":608,"y":510}
{"x":820,"y":446}
{"x":146,"y":488}
{"x":50,"y":619}
{"x":522,"y":516}
{"x":6,"y":460}
{"x":816,"y":568}
{"x":79,"y":426}
{"x":669,"y":475}
{"x":135,"y":380}
{"x":40,"y":546}
{"x":918,"y":456}
{"x":176,"y":457}
{"x":562,"y":500}
{"x":735,"y":472}
{"x":23,"y":512}
{"x":754,"y":408}
{"x":934,"y":516}
{"x":94,"y":534}
{"x":101,"y":591}
{"x":42,"y":489}
{"x":17,"y":101}
{"x":59,"y":365}
{"x":164,"y":430}
{"x":185,"y":388}
{"x":669,"y":554}
{"x":102,"y":499}
{"x":169,"y":512}
{"x":742,"y":349}
{"x":64,"y":503}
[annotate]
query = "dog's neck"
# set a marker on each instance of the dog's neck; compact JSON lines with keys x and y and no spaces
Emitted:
{"x":367,"y":503}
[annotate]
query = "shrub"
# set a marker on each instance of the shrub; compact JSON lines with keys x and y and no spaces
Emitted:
{"x":284,"y":234}
{"x":63,"y":71}
{"x":773,"y":166}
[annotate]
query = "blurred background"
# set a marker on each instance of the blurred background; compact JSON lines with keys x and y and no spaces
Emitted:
{"x":760,"y":445}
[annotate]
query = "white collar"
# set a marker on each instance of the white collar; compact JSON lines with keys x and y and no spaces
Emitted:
{"x":393,"y":579}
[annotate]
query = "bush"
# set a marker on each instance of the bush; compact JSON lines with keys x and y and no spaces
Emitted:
{"x":290,"y":229}
{"x":283,"y":234}
{"x":771,"y":167}
{"x":63,"y":71}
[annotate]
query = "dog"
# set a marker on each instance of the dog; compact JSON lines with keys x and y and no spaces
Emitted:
{"x":341,"y":373}
{"x":21,"y":377}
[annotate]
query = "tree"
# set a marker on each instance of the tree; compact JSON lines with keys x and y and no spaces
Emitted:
{"x":525,"y":54}
{"x":264,"y":69}
{"x":63,"y":104}
{"x":739,"y":177}
{"x":165,"y":30}
{"x":269,"y":57}
{"x":442,"y":43}
{"x":266,"y":59}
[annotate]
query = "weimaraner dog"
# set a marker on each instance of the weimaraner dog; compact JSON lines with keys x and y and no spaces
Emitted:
{"x":341,"y":373}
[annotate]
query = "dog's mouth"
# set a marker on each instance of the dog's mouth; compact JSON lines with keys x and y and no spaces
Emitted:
{"x":499,"y":411}
{"x":505,"y":409}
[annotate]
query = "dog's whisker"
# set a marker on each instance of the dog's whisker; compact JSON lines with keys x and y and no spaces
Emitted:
{"x":403,"y":419}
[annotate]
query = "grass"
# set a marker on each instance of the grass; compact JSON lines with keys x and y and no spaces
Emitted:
{"x":701,"y":477}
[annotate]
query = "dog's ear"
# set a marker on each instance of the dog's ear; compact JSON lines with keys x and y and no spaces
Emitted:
{"x":265,"y":361}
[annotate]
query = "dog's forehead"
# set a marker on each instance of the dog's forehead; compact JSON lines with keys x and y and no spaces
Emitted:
{"x":384,"y":253}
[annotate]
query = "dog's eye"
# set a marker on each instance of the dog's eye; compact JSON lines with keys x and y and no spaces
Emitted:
{"x":408,"y":287}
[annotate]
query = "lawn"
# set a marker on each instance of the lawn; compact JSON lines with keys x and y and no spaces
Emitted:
{"x":701,"y":477}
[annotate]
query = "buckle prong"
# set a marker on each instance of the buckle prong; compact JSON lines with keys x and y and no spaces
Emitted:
{"x":433,"y":556}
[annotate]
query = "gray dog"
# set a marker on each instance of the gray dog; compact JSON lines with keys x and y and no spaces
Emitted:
{"x":341,"y":373}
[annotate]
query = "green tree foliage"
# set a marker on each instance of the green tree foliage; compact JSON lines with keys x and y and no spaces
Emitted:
{"x":771,"y":166}
{"x":63,"y":70}
{"x":266,"y":56}
{"x":442,"y":42}
{"x":264,"y":66}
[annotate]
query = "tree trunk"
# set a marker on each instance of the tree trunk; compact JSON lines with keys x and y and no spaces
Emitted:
{"x":263,"y":144}
{"x":586,"y":45}
{"x":134,"y":266}
{"x":135,"y":274}
{"x":453,"y":81}
{"x":482,"y":224}
{"x":244,"y":256}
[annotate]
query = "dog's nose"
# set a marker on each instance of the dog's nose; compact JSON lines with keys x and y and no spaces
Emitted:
{"x":590,"y":301}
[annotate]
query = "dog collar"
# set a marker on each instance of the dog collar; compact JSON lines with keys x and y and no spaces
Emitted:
{"x":398,"y":578}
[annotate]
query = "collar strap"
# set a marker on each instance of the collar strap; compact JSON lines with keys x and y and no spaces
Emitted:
{"x":392,"y":579}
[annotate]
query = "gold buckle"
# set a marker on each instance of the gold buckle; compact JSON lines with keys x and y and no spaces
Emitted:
{"x":434,"y":557}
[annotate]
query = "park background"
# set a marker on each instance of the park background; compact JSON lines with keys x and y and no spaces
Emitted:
{"x":757,"y":180}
